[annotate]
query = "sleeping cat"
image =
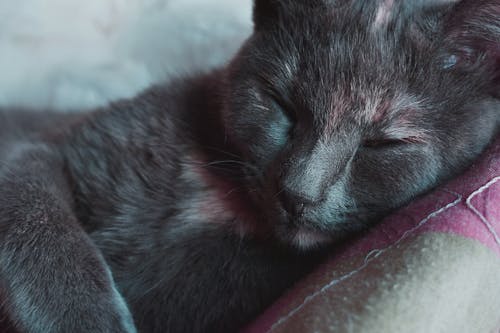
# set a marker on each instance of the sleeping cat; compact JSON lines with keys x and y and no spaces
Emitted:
{"x":191,"y":207}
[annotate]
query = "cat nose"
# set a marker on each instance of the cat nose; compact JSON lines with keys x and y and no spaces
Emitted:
{"x":296,"y":203}
{"x":304,"y":178}
{"x":301,"y":190}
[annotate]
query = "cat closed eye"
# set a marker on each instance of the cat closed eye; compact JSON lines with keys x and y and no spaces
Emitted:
{"x":280,"y":106}
{"x":383,"y":143}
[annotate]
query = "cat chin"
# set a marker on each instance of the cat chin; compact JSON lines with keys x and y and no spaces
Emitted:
{"x":305,"y":239}
{"x":302,"y":238}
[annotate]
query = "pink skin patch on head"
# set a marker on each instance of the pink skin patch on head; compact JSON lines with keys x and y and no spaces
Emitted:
{"x":338,"y":106}
{"x":381,"y":112}
{"x":384,"y":13}
{"x":406,"y":131}
{"x":399,"y":115}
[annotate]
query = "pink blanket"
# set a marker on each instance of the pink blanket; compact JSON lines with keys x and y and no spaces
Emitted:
{"x":434,"y":266}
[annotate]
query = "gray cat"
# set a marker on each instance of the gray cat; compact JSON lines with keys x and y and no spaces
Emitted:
{"x":191,"y":207}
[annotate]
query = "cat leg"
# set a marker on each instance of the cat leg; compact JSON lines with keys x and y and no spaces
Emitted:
{"x":52,"y":277}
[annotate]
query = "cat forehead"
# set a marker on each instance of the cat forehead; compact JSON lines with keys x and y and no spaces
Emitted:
{"x":383,"y":14}
{"x":372,"y":108}
{"x":351,"y":29}
{"x":396,"y":116}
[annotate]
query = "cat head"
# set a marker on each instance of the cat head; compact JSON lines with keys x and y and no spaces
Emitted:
{"x":348,"y":109}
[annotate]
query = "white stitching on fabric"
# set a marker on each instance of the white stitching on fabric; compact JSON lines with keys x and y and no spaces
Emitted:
{"x":483,"y":219}
{"x":372,"y":255}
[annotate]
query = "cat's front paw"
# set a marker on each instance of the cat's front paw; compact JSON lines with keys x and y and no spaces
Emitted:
{"x":89,"y":306}
{"x":110,"y":316}
{"x":79,"y":318}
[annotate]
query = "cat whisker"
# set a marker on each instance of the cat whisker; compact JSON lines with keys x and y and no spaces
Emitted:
{"x":225,"y":162}
{"x":222,"y":151}
{"x":278,"y":193}
{"x":228,"y":193}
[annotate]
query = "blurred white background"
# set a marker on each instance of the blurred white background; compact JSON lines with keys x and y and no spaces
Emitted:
{"x":74,"y":54}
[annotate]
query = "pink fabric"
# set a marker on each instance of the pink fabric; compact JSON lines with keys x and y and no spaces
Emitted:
{"x":468,"y":206}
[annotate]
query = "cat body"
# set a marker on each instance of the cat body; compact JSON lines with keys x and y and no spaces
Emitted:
{"x":194,"y":205}
{"x":173,"y":234}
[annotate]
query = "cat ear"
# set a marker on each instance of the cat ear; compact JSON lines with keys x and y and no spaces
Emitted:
{"x":265,"y":13}
{"x":472,"y":39}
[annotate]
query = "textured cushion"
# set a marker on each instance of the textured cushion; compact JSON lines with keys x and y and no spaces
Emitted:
{"x":433,"y":266}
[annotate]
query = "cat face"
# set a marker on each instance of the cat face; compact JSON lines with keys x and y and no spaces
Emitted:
{"x":346,"y":110}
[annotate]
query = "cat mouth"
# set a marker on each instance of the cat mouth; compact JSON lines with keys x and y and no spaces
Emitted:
{"x":297,"y":232}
